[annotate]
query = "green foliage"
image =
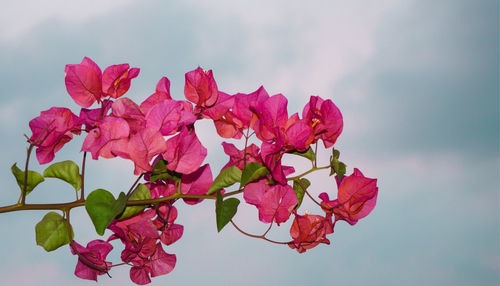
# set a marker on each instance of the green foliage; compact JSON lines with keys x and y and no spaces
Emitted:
{"x":226,"y":178}
{"x":252,"y":172}
{"x":225,"y":210}
{"x":337,"y":167}
{"x":67,"y":171}
{"x":299,"y":191}
{"x":309,"y":154}
{"x":141,"y":192}
{"x":34,"y":179}
{"x":161,"y":172}
{"x":52,"y":232}
{"x":103,"y":208}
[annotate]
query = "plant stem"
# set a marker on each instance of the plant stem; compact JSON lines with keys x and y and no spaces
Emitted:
{"x":82,"y":196}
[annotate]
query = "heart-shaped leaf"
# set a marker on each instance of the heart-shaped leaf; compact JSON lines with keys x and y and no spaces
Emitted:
{"x":34,"y":179}
{"x":252,"y":172}
{"x":103,"y":208}
{"x":225,"y":210}
{"x":141,"y":192}
{"x":52,"y":232}
{"x":299,"y":191}
{"x":226,"y":178}
{"x":67,"y":171}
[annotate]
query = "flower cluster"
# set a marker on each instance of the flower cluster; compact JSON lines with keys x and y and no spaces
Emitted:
{"x":159,"y":136}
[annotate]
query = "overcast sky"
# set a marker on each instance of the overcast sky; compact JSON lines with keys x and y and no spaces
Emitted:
{"x":416,"y":82}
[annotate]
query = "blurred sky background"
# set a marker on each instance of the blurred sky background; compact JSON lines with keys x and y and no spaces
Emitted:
{"x":417,"y":83}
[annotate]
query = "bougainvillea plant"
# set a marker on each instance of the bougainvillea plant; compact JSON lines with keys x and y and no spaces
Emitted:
{"x":159,"y":137}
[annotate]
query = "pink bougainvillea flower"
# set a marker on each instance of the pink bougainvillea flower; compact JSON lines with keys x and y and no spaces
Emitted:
{"x":168,"y":116}
{"x":237,"y":157}
{"x":298,"y":134}
{"x":108,"y":139}
{"x":200,"y":87}
{"x":116,"y":79}
{"x":162,"y":93}
{"x":95,"y":253}
{"x":127,"y":109}
{"x":161,"y":188}
{"x":90,"y":117}
{"x":272,"y":114}
{"x":357,"y":196}
{"x":308,"y":231}
{"x":220,"y":108}
{"x":170,"y":232}
{"x":274,"y":202}
{"x":325,"y":118}
{"x":51,"y":130}
{"x":197,"y":183}
{"x":140,"y":235}
{"x":184,"y":152}
{"x":83,"y":82}
{"x":143,"y":147}
{"x":160,"y":263}
{"x":245,"y":106}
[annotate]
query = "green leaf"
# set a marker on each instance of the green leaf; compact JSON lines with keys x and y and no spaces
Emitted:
{"x":335,"y":153}
{"x":299,"y":191}
{"x":226,"y":178}
{"x":52,"y":232}
{"x":337,"y":167}
{"x":141,"y":192}
{"x":67,"y":171}
{"x":309,"y":154}
{"x":160,"y":172}
{"x":252,"y":172}
{"x":103,"y":208}
{"x":225,"y":210}
{"x":34,"y":178}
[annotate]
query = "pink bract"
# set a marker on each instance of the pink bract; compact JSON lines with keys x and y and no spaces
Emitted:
{"x":274,"y":202}
{"x":184,"y":152}
{"x":116,"y":79}
{"x":51,"y":130}
{"x":325,"y":118}
{"x":357,"y":197}
{"x":201,"y":88}
{"x":95,"y":253}
{"x":83,"y":82}
{"x":308,"y":231}
{"x":110,"y":135}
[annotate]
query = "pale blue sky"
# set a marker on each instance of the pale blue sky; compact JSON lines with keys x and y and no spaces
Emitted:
{"x":416,"y":81}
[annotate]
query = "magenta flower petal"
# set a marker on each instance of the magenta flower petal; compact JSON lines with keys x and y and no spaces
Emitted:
{"x":171,"y":234}
{"x":161,"y":263}
{"x":51,"y":130}
{"x":100,"y":141}
{"x":162,"y":93}
{"x":140,"y":275}
{"x":143,"y":147}
{"x":197,"y":183}
{"x":357,"y":196}
{"x":95,"y":253}
{"x":116,"y":79}
{"x":165,"y":117}
{"x":83,"y":82}
{"x":184,"y":152}
{"x":277,"y":204}
{"x":309,"y":230}
{"x":200,"y":87}
{"x":90,"y":117}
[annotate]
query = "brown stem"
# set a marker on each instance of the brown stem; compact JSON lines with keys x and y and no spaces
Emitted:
{"x":257,"y":236}
{"x":82,"y":196}
{"x":131,"y":190}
